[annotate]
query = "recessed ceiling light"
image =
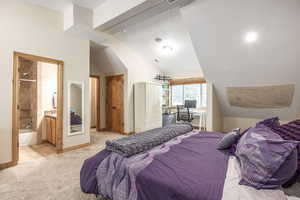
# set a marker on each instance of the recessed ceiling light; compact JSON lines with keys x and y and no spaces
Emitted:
{"x":251,"y":37}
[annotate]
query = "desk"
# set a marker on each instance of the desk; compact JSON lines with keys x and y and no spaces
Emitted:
{"x":200,"y":118}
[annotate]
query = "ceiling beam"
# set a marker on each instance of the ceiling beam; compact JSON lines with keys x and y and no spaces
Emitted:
{"x":109,"y":10}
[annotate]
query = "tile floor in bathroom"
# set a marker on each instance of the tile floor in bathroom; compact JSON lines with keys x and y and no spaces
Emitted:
{"x":29,"y":153}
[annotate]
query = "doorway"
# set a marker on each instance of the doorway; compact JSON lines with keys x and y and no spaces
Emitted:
{"x":115,"y":103}
{"x":95,"y":102}
{"x":37,"y":107}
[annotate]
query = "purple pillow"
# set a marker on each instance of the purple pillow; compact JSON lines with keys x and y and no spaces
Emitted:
{"x":264,"y":156}
{"x":271,"y":122}
{"x":290,"y":131}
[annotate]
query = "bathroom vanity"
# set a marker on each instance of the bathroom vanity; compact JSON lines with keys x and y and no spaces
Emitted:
{"x":51,"y":128}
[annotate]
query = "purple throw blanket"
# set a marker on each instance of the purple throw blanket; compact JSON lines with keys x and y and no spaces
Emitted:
{"x":117,"y":174}
{"x":189,"y":169}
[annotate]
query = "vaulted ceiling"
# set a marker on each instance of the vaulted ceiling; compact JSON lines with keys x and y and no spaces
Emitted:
{"x":248,"y":43}
{"x":138,"y":28}
{"x":168,"y":26}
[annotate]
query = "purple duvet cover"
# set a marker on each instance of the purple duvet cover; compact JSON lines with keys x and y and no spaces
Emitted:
{"x":190,"y":169}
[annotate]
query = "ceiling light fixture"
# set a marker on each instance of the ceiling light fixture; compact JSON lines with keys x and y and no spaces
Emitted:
{"x":161,"y":77}
{"x":158,"y":39}
{"x":168,"y":49}
{"x":165,"y":47}
{"x":251,"y":37}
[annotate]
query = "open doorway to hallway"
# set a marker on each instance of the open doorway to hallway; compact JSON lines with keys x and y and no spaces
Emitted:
{"x":112,"y":74}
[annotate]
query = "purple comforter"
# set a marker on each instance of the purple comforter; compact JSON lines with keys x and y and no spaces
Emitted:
{"x":190,"y":170}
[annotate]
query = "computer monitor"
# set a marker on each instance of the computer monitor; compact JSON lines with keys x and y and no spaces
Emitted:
{"x":190,"y":103}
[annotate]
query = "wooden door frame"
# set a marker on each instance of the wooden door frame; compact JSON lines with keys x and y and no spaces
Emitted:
{"x":122,"y":103}
{"x":98,"y":101}
{"x":15,"y":113}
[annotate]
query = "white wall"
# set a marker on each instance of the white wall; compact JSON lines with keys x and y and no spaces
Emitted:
{"x":46,"y":87}
{"x":107,"y":60}
{"x":214,"y":114}
{"x":38,"y":31}
{"x":68,"y":17}
{"x":230,"y":123}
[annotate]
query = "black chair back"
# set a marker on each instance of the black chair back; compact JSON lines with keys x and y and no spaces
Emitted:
{"x":184,"y":114}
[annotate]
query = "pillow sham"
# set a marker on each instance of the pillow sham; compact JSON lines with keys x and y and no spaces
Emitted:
{"x":271,"y":122}
{"x":229,"y":139}
{"x":262,"y":153}
{"x":289,"y":131}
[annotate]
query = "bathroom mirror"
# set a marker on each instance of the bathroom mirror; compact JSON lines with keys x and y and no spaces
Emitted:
{"x":75,"y":108}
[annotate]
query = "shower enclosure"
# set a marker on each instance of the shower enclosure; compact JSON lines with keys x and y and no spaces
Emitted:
{"x":27,"y":102}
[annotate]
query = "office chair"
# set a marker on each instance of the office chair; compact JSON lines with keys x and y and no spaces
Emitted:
{"x":183,"y":112}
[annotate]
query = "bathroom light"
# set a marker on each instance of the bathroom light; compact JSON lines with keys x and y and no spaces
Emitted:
{"x":251,"y":37}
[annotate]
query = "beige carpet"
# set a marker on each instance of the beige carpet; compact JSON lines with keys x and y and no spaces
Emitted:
{"x":54,"y":177}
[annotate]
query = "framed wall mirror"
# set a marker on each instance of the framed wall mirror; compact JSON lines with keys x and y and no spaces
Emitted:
{"x":75,"y":108}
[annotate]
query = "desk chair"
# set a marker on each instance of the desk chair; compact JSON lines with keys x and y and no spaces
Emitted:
{"x":183,"y":112}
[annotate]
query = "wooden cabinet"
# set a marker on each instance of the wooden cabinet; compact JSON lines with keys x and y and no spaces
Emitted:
{"x":51,"y":129}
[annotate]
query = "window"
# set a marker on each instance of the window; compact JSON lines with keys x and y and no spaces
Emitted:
{"x":177,"y":95}
{"x":197,"y":92}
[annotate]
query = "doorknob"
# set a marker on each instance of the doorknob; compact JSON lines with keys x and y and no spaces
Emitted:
{"x":114,"y":107}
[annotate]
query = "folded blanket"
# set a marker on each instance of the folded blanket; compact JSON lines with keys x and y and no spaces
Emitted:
{"x":145,"y":141}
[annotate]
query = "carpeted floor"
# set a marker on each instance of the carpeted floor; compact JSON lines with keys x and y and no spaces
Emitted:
{"x":54,"y":177}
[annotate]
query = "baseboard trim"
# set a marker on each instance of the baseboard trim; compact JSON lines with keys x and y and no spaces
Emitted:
{"x":75,"y":147}
{"x":7,"y":165}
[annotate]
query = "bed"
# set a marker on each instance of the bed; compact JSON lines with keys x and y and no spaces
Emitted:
{"x":187,"y":167}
